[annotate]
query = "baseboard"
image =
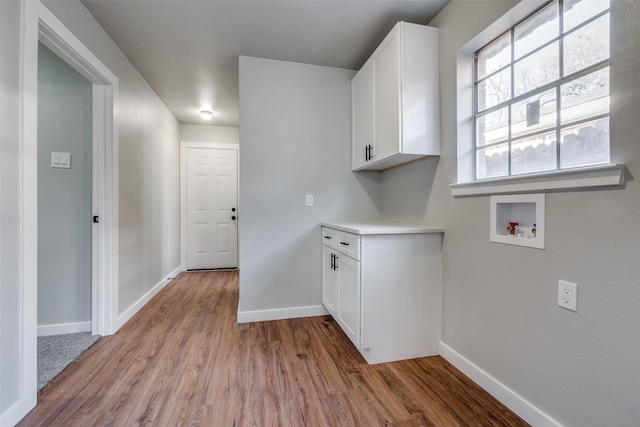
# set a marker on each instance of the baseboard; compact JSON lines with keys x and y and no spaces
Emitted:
{"x":131,"y":311}
{"x":504,"y":394}
{"x":175,"y":272}
{"x":281,"y":313}
{"x":12,"y":415}
{"x":63,"y":328}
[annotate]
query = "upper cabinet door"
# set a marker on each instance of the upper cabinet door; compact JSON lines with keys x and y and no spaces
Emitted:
{"x":400,"y":112}
{"x":386,"y":90}
{"x":362,"y":117}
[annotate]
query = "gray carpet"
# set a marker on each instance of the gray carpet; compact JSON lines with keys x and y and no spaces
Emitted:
{"x":56,"y":352}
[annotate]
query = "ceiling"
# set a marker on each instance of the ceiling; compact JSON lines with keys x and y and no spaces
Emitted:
{"x":188,"y":50}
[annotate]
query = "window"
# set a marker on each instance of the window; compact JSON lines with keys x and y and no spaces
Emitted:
{"x":541,"y":93}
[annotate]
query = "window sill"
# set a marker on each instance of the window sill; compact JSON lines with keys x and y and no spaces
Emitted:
{"x":609,"y":175}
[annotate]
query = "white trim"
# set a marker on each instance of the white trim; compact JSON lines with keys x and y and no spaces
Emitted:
{"x":495,"y":213}
{"x":183,"y":189}
{"x":220,"y":145}
{"x":281,"y":313}
{"x":63,"y":328}
{"x":464,"y":83}
{"x":53,"y":34}
{"x":28,"y":275}
{"x":504,"y":394}
{"x":39,"y":24}
{"x":610,"y":175}
{"x":136,"y":306}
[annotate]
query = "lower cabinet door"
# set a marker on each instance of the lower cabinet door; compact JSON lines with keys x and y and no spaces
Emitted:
{"x":349,"y":297}
{"x":329,"y":281}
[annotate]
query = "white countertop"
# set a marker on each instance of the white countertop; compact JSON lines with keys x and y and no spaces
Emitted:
{"x":373,"y":227}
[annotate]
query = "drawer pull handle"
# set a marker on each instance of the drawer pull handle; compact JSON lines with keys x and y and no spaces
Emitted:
{"x":344,"y":243}
{"x":327,"y":237}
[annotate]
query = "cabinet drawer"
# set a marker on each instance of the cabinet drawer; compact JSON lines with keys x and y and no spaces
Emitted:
{"x":330,"y":237}
{"x":349,"y":244}
{"x":346,"y":243}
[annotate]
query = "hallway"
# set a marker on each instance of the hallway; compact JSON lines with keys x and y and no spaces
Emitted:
{"x":183,"y":360}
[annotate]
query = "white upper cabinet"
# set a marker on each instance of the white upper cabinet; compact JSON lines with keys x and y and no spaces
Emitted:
{"x":395,"y":100}
{"x":362,"y":114}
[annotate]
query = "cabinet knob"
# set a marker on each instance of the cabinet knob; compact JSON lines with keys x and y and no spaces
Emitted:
{"x":233,"y":209}
{"x":233,"y":218}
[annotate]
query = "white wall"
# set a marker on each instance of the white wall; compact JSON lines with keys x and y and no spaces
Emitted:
{"x":148,"y":160}
{"x":148,"y":195}
{"x":500,"y":301}
{"x":205,"y":133}
{"x":294,"y":140}
{"x":64,"y":195}
{"x":10,"y":292}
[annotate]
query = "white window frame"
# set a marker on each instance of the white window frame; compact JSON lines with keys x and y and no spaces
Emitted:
{"x":607,"y":175}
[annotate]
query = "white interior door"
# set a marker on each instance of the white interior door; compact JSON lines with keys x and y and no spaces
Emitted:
{"x":211,"y":214}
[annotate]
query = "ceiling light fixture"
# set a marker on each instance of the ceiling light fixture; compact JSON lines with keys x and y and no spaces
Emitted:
{"x":206,"y":114}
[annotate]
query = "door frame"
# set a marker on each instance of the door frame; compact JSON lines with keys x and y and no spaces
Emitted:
{"x":53,"y":34}
{"x":184,"y":145}
{"x":39,"y":24}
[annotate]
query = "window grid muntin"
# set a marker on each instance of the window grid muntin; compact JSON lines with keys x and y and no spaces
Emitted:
{"x":530,"y":17}
{"x":559,"y":128}
{"x":571,"y":77}
{"x":542,"y":46}
{"x":513,"y":91}
{"x":557,"y":84}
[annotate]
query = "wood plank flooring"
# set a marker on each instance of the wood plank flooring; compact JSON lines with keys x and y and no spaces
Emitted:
{"x":184,"y":361}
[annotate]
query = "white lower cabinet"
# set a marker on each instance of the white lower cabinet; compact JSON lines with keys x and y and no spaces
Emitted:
{"x":348,"y":314}
{"x":341,"y":281}
{"x":329,"y":280}
{"x":381,"y":283}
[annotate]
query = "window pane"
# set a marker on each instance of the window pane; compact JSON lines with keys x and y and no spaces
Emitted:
{"x":585,"y":144}
{"x":494,"y":56}
{"x":541,"y":28}
{"x":493,"y":127}
{"x":585,"y":97}
{"x":587,"y":45}
{"x":537,"y":70}
{"x":494,"y":90}
{"x":492,"y":162}
{"x":578,"y":11}
{"x":534,"y":114}
{"x":534,"y":154}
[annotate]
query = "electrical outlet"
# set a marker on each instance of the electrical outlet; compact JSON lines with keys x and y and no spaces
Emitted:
{"x":309,"y":200}
{"x":568,"y":295}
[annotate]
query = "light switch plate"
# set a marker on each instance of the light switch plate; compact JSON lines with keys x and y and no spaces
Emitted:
{"x":60,"y":160}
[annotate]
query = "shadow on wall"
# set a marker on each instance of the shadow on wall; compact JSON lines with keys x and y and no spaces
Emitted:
{"x":417,"y":179}
{"x":370,"y":183}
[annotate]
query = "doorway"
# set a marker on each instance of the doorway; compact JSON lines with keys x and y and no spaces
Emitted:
{"x":209,"y":201}
{"x":65,"y":207}
{"x":38,"y":24}
{"x":65,"y":197}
